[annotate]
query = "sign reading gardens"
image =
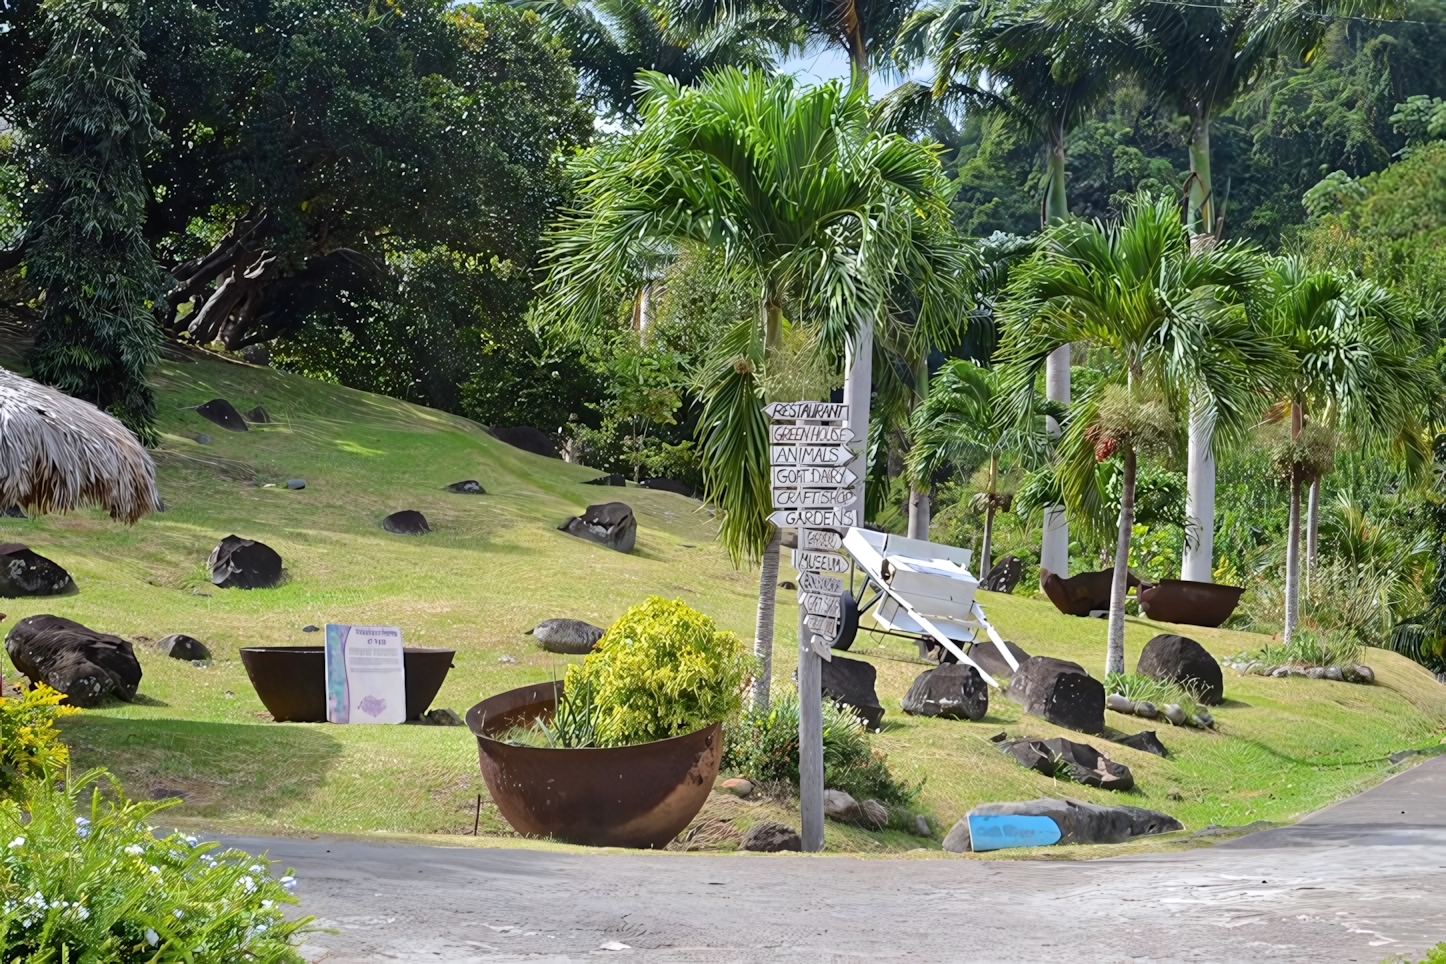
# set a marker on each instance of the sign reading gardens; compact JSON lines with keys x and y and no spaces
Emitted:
{"x":365,"y":674}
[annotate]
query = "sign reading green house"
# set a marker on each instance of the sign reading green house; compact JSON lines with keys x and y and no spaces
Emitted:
{"x":365,"y":674}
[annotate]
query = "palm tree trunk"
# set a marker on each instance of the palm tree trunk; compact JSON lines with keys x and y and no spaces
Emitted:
{"x":1312,"y":528}
{"x":763,"y":627}
{"x":919,"y":514}
{"x":1056,"y":200}
{"x":1292,"y":537}
{"x":986,"y":551}
{"x":1201,"y":216}
{"x":1115,"y":655}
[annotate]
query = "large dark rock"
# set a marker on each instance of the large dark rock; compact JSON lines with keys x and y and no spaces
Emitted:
{"x":528,"y":439}
{"x":610,"y":524}
{"x":1179,"y":659}
{"x":987,"y":655}
{"x":1079,"y":762}
{"x":27,"y":573}
{"x":571,"y":637}
{"x":851,"y":683}
{"x":1082,"y":594}
{"x":238,"y":563}
{"x":953,"y":692}
{"x":181,"y":646}
{"x":1060,"y":692}
{"x":1145,"y":740}
{"x":407,"y":522}
{"x":1078,"y":822}
{"x":85,"y":665}
{"x":221,"y":412}
{"x":669,"y":485}
{"x":258,"y":416}
{"x":1004,"y":575}
{"x":769,"y":837}
{"x":469,"y":487}
{"x":614,"y":479}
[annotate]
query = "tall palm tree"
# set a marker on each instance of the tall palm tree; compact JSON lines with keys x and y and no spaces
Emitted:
{"x":823,"y":215}
{"x":1042,"y":68}
{"x":611,"y":41}
{"x":1166,"y":322}
{"x":960,"y":424}
{"x":1360,"y":363}
{"x":1201,"y":56}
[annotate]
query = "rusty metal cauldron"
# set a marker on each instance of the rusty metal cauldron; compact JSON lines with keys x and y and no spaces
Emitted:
{"x":1189,"y":602}
{"x":291,"y":680}
{"x":626,"y":796}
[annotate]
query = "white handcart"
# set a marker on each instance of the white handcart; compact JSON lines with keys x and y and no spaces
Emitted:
{"x":921,"y":589}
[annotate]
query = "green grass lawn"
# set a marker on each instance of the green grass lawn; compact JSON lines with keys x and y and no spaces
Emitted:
{"x":493,"y":567}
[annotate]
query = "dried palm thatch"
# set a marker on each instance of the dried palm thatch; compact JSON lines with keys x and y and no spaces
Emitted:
{"x":58,"y":453}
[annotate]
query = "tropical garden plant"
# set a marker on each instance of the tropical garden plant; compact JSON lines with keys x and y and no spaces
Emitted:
{"x":1167,"y":323}
{"x":30,"y":744}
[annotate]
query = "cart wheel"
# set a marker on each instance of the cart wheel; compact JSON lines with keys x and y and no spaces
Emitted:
{"x":848,"y":621}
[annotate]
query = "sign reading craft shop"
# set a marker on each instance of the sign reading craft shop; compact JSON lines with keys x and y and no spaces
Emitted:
{"x":365,"y":674}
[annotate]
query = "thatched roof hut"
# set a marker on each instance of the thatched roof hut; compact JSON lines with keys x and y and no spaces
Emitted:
{"x":58,"y":452}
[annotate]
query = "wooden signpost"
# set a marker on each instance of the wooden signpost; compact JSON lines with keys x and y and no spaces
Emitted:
{"x":813,"y":493}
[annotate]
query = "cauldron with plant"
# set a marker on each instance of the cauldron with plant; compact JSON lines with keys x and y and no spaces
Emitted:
{"x":624,"y":751}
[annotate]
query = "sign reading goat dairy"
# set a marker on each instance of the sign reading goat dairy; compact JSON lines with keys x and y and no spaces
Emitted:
{"x":365,"y":674}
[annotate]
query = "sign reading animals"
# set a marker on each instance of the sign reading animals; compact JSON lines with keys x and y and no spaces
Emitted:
{"x":365,"y":674}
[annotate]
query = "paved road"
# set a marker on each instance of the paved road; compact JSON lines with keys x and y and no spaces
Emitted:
{"x":1362,"y":881}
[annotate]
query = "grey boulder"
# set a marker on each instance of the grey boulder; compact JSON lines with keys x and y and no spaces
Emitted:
{"x":769,"y":837}
{"x":610,"y":524}
{"x":181,"y":646}
{"x":571,"y":637}
{"x":954,"y":691}
{"x":1060,"y":692}
{"x":24,"y":572}
{"x":238,"y":563}
{"x":1078,"y":822}
{"x":991,"y":660}
{"x":467,"y":487}
{"x":407,"y":522}
{"x":220,"y":412}
{"x":1004,"y":575}
{"x":850,"y":682}
{"x":1179,"y":659}
{"x":1079,"y":762}
{"x":1146,"y":741}
{"x":85,"y":665}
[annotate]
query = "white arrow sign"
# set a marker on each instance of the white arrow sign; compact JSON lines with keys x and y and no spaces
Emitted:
{"x":812,"y":475}
{"x":805,"y":560}
{"x":810,"y":582}
{"x":825,"y":539}
{"x":811,"y":434}
{"x":813,"y":498}
{"x":819,"y":604}
{"x":825,"y":626}
{"x":809,"y":411}
{"x":821,"y":647}
{"x":810,"y":455}
{"x":793,"y":518}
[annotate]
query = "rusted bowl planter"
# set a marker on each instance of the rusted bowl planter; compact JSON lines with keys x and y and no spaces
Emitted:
{"x":1192,"y":603}
{"x":291,"y":680}
{"x":627,"y":796}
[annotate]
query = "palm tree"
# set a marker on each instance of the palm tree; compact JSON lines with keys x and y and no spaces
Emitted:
{"x":825,"y":217}
{"x":1041,"y":69}
{"x":864,"y":30}
{"x":960,"y":425}
{"x":1201,"y":57}
{"x":1360,"y":363}
{"x":1168,"y":326}
{"x":611,"y":41}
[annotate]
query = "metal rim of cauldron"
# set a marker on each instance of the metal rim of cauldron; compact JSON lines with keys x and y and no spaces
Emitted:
{"x":300,"y":700}
{"x":1221,"y":600}
{"x":661,"y":785}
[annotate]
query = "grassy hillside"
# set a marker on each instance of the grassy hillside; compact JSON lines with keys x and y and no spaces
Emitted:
{"x":494,"y":566}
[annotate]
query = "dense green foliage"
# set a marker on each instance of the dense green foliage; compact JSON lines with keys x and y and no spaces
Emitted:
{"x":30,"y":745}
{"x":82,"y":878}
{"x":663,"y":669}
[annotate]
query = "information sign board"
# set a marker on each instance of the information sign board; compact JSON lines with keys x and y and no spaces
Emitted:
{"x":365,"y":674}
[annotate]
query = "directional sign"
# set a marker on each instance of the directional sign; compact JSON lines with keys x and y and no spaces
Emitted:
{"x":811,"y":582}
{"x":819,"y":604}
{"x":811,"y":434}
{"x":809,"y":411}
{"x":812,"y":476}
{"x":810,"y":455}
{"x":832,"y":517}
{"x":821,"y":647}
{"x":813,"y":498}
{"x":825,"y":626}
{"x":825,"y":539}
{"x":805,"y":560}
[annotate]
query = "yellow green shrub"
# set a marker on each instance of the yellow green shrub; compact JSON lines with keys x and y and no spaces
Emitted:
{"x":29,"y":742}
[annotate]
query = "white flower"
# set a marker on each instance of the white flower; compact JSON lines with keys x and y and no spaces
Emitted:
{"x":256,"y":868}
{"x":177,"y":912}
{"x":190,"y":840}
{"x":289,"y":882}
{"x":135,"y":850}
{"x":155,"y":869}
{"x":152,"y":938}
{"x":82,"y":827}
{"x":17,"y":842}
{"x":248,"y":884}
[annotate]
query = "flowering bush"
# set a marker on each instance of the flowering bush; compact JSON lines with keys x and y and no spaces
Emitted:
{"x":83,"y":879}
{"x":663,"y":669}
{"x":29,"y":742}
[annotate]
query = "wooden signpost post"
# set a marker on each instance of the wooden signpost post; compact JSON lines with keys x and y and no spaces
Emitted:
{"x":812,"y":492}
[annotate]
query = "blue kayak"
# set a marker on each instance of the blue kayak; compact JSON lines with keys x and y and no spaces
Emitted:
{"x":998,"y":831}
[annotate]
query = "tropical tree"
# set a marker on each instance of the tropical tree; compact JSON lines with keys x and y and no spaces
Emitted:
{"x":1042,"y":69}
{"x":960,"y":425}
{"x":611,"y":41}
{"x":821,"y":215}
{"x":1360,"y":363}
{"x":1165,"y":322}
